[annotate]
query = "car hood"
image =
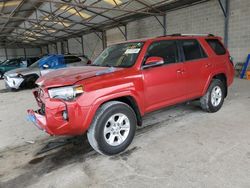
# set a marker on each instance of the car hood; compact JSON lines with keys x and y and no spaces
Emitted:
{"x":24,"y":71}
{"x":69,"y":76}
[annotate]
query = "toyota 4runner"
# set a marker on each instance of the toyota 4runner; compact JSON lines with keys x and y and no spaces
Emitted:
{"x":128,"y":80}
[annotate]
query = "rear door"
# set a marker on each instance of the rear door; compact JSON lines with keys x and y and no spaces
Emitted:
{"x":195,"y":65}
{"x":163,"y":85}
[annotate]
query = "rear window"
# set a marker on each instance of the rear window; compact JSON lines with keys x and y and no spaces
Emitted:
{"x":192,"y":50}
{"x":216,"y":46}
{"x":71,"y":59}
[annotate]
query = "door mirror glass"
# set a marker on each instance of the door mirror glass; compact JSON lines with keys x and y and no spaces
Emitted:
{"x":153,"y":61}
{"x":45,"y":66}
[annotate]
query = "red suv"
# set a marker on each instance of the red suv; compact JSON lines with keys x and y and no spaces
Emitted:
{"x":108,"y":98}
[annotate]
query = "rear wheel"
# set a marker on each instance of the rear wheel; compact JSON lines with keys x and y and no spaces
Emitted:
{"x":213,"y":100}
{"x":113,"y":128}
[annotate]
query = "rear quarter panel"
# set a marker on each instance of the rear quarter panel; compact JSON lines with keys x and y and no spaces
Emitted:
{"x":220,"y":64}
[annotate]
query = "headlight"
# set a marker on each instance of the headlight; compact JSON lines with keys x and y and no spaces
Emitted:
{"x":66,"y":93}
{"x":15,"y":75}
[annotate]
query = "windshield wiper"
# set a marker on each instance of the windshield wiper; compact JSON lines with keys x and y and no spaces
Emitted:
{"x":96,"y":65}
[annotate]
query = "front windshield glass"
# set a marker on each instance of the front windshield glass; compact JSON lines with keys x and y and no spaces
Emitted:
{"x":34,"y":65}
{"x":6,"y":62}
{"x":119,"y":55}
{"x":11,"y":62}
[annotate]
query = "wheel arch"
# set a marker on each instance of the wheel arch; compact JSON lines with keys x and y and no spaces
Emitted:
{"x":125,"y":98}
{"x":220,"y":76}
{"x":28,"y":77}
{"x":129,"y":100}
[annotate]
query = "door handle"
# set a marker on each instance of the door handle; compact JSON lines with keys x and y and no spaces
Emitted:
{"x":180,"y":71}
{"x":208,"y":65}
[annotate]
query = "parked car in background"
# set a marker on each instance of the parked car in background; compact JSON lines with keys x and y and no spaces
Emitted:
{"x":128,"y":80}
{"x":26,"y":77}
{"x":15,"y":63}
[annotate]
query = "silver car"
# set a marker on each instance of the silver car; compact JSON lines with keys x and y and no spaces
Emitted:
{"x":26,"y":77}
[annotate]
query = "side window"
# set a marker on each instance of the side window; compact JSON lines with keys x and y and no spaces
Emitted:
{"x":192,"y":50}
{"x":166,"y":49}
{"x":71,"y":59}
{"x":216,"y":46}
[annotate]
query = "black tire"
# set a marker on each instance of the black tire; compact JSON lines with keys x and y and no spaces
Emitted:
{"x":95,"y":133}
{"x":1,"y":75}
{"x":206,"y":100}
{"x":31,"y":82}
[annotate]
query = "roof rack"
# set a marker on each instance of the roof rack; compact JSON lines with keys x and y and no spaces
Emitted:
{"x":185,"y":35}
{"x":180,"y":34}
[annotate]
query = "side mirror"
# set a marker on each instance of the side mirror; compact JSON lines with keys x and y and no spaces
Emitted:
{"x":89,"y":62}
{"x":153,"y":61}
{"x":45,"y":66}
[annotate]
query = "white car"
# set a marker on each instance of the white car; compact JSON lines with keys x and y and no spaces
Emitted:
{"x":26,"y":77}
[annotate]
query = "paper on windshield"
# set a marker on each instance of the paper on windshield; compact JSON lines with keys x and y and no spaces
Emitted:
{"x":132,"y":51}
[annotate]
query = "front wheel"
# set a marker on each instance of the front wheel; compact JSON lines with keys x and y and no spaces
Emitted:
{"x":113,"y":128}
{"x":213,"y":100}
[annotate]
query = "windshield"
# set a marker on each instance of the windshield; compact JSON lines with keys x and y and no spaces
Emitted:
{"x":6,"y":62}
{"x":119,"y":55}
{"x":34,"y":65}
{"x":11,"y":62}
{"x":3,"y":62}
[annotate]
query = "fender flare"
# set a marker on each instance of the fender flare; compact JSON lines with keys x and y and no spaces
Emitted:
{"x":210,"y":78}
{"x":101,"y":100}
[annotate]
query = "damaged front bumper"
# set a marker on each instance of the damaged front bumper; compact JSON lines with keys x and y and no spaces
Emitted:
{"x":58,"y":117}
{"x":38,"y":120}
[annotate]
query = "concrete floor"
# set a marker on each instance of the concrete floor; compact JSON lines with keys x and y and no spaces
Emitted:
{"x":181,"y":146}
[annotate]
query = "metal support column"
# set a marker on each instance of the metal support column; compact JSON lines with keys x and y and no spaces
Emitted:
{"x":62,"y":48}
{"x":165,"y":25}
{"x":125,"y":32}
{"x":6,"y":54}
{"x":24,"y":50}
{"x":225,"y":7}
{"x":41,"y":50}
{"x":104,"y":40}
{"x":67,"y":43}
{"x":82,"y":45}
{"x":47,"y":49}
{"x":56,"y":48}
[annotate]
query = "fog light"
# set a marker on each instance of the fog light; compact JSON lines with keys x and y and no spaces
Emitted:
{"x":65,"y":115}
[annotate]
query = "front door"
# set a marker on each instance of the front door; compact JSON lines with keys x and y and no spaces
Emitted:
{"x":163,"y":85}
